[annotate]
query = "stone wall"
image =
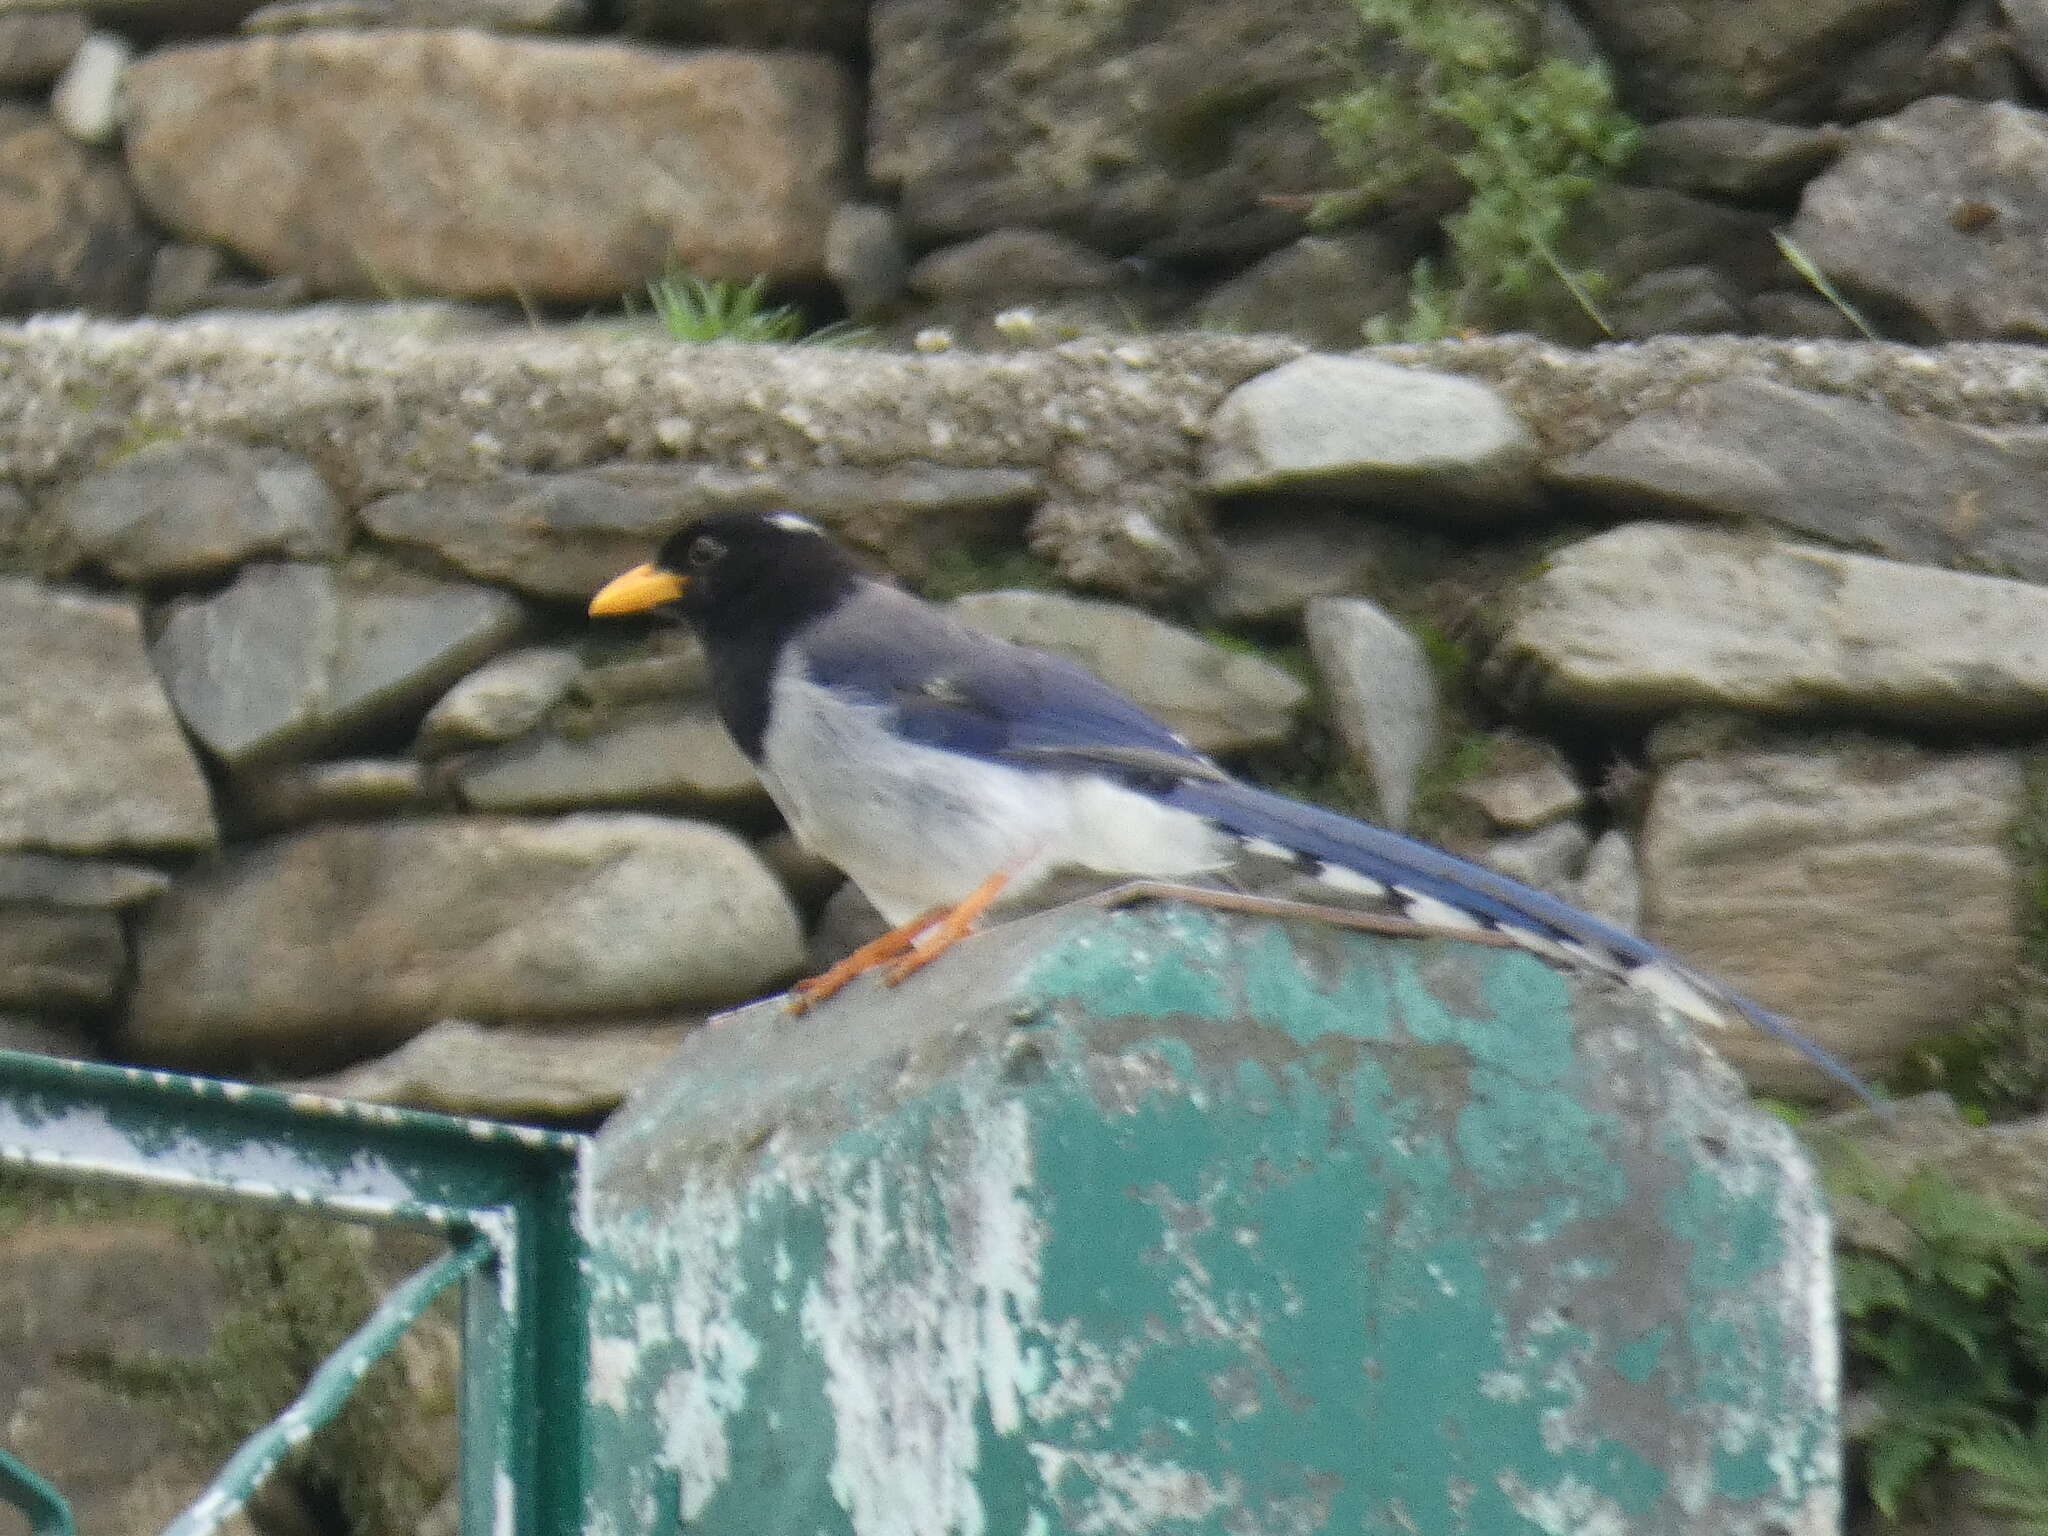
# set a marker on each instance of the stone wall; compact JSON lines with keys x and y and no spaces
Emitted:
{"x":313,"y":766}
{"x":933,"y":164}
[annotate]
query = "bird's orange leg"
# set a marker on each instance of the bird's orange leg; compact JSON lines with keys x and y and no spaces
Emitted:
{"x":807,"y":994}
{"x":951,"y":928}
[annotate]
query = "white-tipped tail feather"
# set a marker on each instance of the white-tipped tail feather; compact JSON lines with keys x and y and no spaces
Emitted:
{"x":1437,"y":890}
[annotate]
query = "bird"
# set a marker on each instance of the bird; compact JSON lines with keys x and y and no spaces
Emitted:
{"x":948,"y":773}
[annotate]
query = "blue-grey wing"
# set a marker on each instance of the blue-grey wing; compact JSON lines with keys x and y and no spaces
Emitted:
{"x":948,"y":685}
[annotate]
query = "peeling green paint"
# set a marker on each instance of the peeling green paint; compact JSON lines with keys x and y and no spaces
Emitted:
{"x":1285,"y":1230}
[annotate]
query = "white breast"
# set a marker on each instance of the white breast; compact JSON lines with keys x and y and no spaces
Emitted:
{"x":916,"y":827}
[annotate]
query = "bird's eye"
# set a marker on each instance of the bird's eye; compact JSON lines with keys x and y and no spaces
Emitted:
{"x":703,"y":551}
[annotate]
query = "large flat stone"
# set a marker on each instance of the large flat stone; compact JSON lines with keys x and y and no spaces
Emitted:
{"x":188,"y":509}
{"x":455,"y":162}
{"x":661,"y":754}
{"x":1354,"y":427}
{"x":293,"y":658}
{"x":1868,"y":891}
{"x":1151,"y":1221}
{"x":1934,"y":215}
{"x":1912,"y":487}
{"x":1656,"y":617}
{"x":91,"y":758}
{"x":340,"y":941}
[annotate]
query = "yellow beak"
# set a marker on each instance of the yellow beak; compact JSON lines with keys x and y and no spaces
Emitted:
{"x":641,"y":588}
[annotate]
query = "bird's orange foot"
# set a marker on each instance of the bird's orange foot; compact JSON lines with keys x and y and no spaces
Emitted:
{"x":807,"y":994}
{"x":950,"y":929}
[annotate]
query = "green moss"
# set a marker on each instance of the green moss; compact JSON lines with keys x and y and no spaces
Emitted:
{"x":1527,"y":136}
{"x":1466,"y":755}
{"x":1290,"y":656}
{"x":140,"y":435}
{"x":962,"y":568}
{"x":1450,"y":658}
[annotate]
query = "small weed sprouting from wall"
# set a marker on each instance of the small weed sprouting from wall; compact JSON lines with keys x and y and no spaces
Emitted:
{"x":1527,"y":136}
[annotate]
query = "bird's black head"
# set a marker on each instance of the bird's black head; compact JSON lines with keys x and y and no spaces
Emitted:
{"x":736,"y":573}
{"x":746,"y":581}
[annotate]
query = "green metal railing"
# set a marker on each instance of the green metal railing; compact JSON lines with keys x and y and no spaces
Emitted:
{"x":48,"y":1514}
{"x":506,"y":1197}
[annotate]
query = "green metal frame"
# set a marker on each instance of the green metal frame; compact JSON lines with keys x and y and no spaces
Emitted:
{"x":48,"y":1514}
{"x":508,"y":1198}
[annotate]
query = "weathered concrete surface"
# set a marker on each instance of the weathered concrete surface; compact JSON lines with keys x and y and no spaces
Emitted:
{"x":1105,"y":427}
{"x":398,"y":398}
{"x":1167,"y":1222}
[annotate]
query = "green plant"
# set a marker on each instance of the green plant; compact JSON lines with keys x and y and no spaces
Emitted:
{"x":707,"y":309}
{"x":1806,"y":267}
{"x":1946,"y":1325}
{"x":704,"y":309}
{"x":1528,"y":137}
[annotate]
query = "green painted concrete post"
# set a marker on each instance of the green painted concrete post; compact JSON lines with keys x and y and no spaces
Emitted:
{"x":1173,"y":1223}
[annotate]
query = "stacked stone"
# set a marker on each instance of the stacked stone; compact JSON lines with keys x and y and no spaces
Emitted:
{"x":1003,"y":174}
{"x":312,"y":764}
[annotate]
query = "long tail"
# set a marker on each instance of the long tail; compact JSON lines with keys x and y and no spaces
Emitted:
{"x":1435,"y":887}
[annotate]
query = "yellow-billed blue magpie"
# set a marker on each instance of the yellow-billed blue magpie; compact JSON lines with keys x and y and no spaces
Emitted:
{"x":946,"y":772}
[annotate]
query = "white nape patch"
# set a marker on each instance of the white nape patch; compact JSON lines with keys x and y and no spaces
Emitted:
{"x":1419,"y":908}
{"x":795,"y":524}
{"x":1675,"y":992}
{"x":1266,"y":848}
{"x":1338,"y":878}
